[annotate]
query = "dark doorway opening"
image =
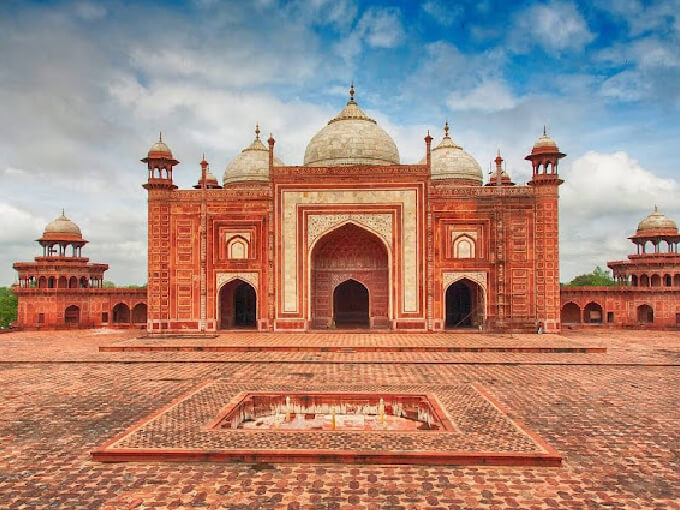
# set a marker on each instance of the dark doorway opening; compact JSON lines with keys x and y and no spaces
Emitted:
{"x":645,"y":314}
{"x":464,"y":302}
{"x":238,"y":305}
{"x":72,"y":315}
{"x":351,"y":305}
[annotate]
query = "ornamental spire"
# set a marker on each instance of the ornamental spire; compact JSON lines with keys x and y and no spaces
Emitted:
{"x":257,"y":131}
{"x":351,"y":92}
{"x":160,"y":137}
{"x":446,"y":129}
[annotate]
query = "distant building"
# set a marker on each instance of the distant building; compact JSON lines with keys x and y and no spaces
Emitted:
{"x":648,"y":290}
{"x":62,"y":289}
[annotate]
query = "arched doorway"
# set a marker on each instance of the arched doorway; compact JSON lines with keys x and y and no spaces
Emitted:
{"x":571,"y":314}
{"x":592,"y":313}
{"x":121,"y":314}
{"x":645,"y":314}
{"x":464,"y":304}
{"x":349,"y":253}
{"x":351,"y":305}
{"x":139,"y":314}
{"x":72,"y":315}
{"x":238,"y":305}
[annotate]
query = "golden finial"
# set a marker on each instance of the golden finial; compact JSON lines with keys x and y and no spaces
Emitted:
{"x":160,"y":137}
{"x":545,"y":133}
{"x":446,"y":129}
{"x":257,"y":131}
{"x":351,"y":92}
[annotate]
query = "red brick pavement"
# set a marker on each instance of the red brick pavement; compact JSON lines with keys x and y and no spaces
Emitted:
{"x":617,"y":427}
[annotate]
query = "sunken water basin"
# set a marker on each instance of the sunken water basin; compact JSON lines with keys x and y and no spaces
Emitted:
{"x":333,"y":411}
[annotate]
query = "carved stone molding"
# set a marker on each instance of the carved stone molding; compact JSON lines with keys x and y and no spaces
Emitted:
{"x":479,"y":277}
{"x":223,"y":278}
{"x":320,"y":224}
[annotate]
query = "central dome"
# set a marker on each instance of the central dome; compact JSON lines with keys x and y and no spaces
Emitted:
{"x":351,"y":138}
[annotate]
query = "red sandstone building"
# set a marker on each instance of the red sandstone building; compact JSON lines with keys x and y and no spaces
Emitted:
{"x":648,"y":283}
{"x":62,"y":288}
{"x":352,"y":238}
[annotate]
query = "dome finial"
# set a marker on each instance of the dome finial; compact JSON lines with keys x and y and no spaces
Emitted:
{"x":351,"y":92}
{"x":446,"y":129}
{"x":257,"y":131}
{"x":160,"y":137}
{"x":656,"y":209}
{"x":63,"y":213}
{"x":545,"y":133}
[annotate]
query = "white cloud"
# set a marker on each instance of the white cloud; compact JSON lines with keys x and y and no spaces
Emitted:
{"x":599,"y":184}
{"x":603,"y":198}
{"x":489,"y":96}
{"x":556,"y":27}
{"x":444,"y":13}
{"x":17,"y":223}
{"x":378,"y":27}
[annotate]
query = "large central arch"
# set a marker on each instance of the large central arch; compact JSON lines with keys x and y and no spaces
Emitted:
{"x":349,"y":252}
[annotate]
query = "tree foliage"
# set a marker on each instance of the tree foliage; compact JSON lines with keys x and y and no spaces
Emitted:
{"x":598,"y":278}
{"x":8,"y":307}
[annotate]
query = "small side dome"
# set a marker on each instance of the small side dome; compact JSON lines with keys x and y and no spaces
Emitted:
{"x":160,"y":149}
{"x":657,"y":223}
{"x":210,"y":180}
{"x":62,"y":228}
{"x":252,"y":164}
{"x":544,"y":144}
{"x":351,"y":138}
{"x":449,"y":161}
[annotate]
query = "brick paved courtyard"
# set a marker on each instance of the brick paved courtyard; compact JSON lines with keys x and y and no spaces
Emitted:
{"x":612,"y":416}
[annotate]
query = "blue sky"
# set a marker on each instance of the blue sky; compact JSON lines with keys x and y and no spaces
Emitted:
{"x":86,"y":86}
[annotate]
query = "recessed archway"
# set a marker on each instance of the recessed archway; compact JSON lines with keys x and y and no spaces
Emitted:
{"x":121,"y":314}
{"x":571,"y":314}
{"x":464,"y":304}
{"x":139,"y":313}
{"x":592,"y":313}
{"x":237,"y":305}
{"x":72,"y":315}
{"x":349,"y":252}
{"x":645,"y":314}
{"x":351,"y":305}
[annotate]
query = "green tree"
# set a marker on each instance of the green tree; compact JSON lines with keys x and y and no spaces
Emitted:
{"x":598,"y":278}
{"x":108,"y":285}
{"x":8,"y":307}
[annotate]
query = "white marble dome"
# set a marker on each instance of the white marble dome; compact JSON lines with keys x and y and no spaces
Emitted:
{"x":252,"y":164}
{"x":450,"y":161}
{"x":351,"y":138}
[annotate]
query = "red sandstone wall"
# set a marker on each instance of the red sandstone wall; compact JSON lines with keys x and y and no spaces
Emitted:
{"x":623,"y":302}
{"x":92,"y":303}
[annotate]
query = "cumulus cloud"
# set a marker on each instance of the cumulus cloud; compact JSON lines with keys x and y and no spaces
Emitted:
{"x":488,"y":96}
{"x":604,"y":196}
{"x":629,"y":187}
{"x":378,"y":27}
{"x":556,"y":27}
